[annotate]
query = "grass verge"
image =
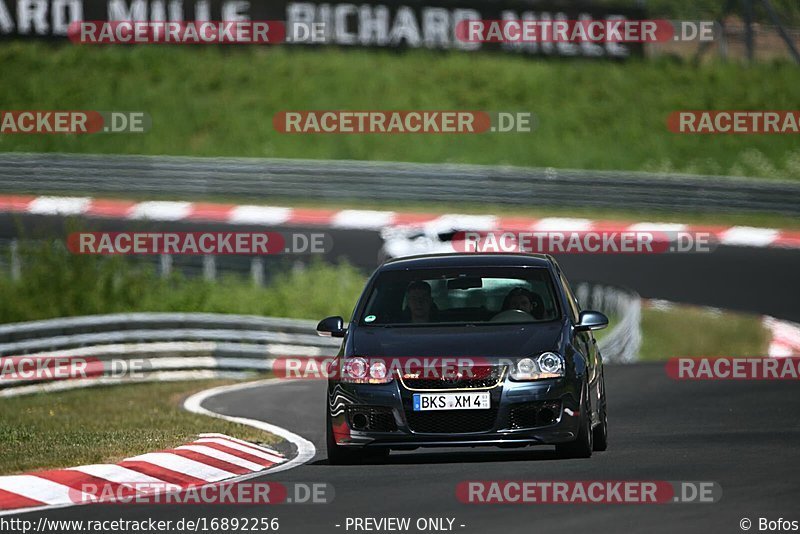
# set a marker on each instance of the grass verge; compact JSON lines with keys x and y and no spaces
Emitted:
{"x":215,"y":101}
{"x":680,"y":330}
{"x":104,"y":424}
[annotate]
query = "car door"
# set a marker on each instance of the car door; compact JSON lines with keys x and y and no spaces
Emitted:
{"x":583,"y":341}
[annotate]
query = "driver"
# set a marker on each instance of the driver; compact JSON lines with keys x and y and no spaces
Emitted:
{"x":420,"y":303}
{"x":520,"y":298}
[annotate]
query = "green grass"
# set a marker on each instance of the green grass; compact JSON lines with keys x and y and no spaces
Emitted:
{"x":104,"y":424}
{"x":220,"y":102}
{"x":692,"y":331}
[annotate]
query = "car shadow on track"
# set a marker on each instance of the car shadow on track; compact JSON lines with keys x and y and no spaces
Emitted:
{"x":460,"y":457}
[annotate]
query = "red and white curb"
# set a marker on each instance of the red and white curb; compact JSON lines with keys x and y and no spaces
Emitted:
{"x":210,"y":459}
{"x":367,"y":219}
{"x":304,"y":449}
{"x":785,"y":340}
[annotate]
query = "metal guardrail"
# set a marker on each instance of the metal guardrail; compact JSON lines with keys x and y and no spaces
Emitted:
{"x":150,"y":321}
{"x":166,"y":346}
{"x":622,"y":343}
{"x":321,"y":179}
{"x":227,"y":332}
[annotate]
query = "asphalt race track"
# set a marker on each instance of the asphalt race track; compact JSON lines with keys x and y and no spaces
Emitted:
{"x":743,"y":435}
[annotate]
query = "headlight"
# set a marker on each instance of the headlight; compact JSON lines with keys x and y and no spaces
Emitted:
{"x":551,"y":363}
{"x":546,"y":365}
{"x":358,"y":370}
{"x":525,"y":367}
{"x":355,"y":368}
{"x":377,"y":370}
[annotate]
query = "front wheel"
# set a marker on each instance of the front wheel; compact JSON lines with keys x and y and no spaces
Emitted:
{"x":600,"y":432}
{"x":583,"y":444}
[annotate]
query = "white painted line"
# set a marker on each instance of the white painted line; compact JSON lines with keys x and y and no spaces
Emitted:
{"x":59,"y":205}
{"x":183,"y":465}
{"x":562,"y":224}
{"x":362,"y":219}
{"x":160,"y":210}
{"x":42,"y":490}
{"x":243,"y":448}
{"x":267,"y":215}
{"x":748,"y":236}
{"x":224,"y":456}
{"x":305,"y":449}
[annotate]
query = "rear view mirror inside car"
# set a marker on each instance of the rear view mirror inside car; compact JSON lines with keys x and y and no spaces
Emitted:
{"x":464,"y":283}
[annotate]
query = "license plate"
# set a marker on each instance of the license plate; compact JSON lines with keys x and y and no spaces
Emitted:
{"x":451,"y":401}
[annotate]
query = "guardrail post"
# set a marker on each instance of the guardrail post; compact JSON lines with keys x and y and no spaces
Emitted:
{"x":257,"y":271}
{"x":16,"y":265}
{"x":209,"y":267}
{"x":166,"y":265}
{"x":722,"y":39}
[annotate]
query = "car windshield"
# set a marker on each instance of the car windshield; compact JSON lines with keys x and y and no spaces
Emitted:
{"x":461,"y":296}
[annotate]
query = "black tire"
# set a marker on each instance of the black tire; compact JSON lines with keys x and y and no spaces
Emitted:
{"x":338,"y":455}
{"x":583,"y":444}
{"x":600,"y":432}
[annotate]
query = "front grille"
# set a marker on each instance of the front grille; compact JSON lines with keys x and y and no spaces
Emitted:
{"x":451,"y":421}
{"x":377,"y":418}
{"x":533,"y":414}
{"x":475,"y":378}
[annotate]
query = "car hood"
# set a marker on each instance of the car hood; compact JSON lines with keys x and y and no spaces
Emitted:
{"x":500,"y":341}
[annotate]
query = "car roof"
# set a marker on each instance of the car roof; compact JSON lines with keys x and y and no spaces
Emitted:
{"x":466,"y":259}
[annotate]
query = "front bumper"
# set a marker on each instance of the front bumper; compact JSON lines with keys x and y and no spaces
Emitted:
{"x":522,"y":413}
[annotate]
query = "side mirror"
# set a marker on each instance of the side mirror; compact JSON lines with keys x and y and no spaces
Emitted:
{"x":591,"y":320}
{"x":331,"y":327}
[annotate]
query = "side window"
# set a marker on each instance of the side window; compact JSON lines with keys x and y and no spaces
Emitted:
{"x":573,"y":302}
{"x":574,"y":309}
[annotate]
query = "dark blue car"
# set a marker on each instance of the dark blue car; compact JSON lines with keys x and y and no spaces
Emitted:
{"x":466,"y":350}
